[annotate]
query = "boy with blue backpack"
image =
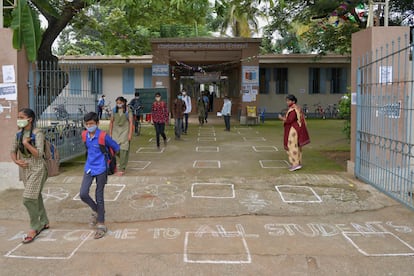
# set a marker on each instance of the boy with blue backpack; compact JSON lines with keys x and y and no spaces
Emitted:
{"x":100,"y":148}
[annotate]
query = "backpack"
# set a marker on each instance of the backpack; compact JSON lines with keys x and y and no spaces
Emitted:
{"x":50,"y":155}
{"x":108,"y":152}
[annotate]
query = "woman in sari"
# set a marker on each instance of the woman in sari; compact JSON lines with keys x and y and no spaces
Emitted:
{"x":295,"y":132}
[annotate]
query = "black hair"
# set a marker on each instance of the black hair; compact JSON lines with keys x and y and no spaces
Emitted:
{"x":30,"y":114}
{"x":292,"y":98}
{"x":158,"y":94}
{"x":91,"y":116}
{"x":124,"y":102}
{"x":136,"y":94}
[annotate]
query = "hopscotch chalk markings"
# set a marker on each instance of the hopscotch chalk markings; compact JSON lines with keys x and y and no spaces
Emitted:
{"x":206,"y":139}
{"x":207,"y":149}
{"x":212,"y":190}
{"x":207,"y":164}
{"x":223,"y":247}
{"x":264,"y":148}
{"x":298,"y":194}
{"x":54,"y":194}
{"x":150,"y":150}
{"x":154,"y":139}
{"x":254,"y":203}
{"x":139,"y":165}
{"x":111,"y":189}
{"x":46,"y":242}
{"x":254,"y":139}
{"x":207,"y":134}
{"x":274,"y":164}
{"x":379,"y":244}
{"x":156,"y":197}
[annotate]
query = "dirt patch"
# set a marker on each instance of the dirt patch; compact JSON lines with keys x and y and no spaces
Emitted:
{"x":339,"y":157}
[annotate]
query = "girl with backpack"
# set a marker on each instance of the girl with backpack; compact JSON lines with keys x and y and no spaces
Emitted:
{"x":27,"y":152}
{"x":121,"y":128}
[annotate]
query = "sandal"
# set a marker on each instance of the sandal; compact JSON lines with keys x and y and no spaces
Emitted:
{"x":100,"y":231}
{"x":29,"y":239}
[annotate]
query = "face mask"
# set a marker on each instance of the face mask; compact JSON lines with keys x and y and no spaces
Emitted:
{"x":92,"y":128}
{"x":184,"y":93}
{"x":180,"y":97}
{"x":158,"y":99}
{"x":22,"y":123}
{"x":120,"y":105}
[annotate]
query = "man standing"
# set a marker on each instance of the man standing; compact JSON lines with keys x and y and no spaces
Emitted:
{"x":187,"y":100}
{"x":178,"y":111}
{"x":136,"y":106}
{"x":101,"y":105}
{"x":226,"y":112}
{"x":206,"y":104}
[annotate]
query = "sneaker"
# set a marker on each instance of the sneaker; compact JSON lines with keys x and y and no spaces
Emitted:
{"x":295,"y":168}
{"x":93,"y":219}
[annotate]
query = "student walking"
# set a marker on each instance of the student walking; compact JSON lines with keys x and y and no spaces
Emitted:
{"x":187,"y":111}
{"x":178,"y":111}
{"x":295,"y":132}
{"x":121,"y":128}
{"x":226,"y":112}
{"x":159,"y":115}
{"x":201,"y":110}
{"x":206,"y":104}
{"x":96,"y":168}
{"x":101,"y":105}
{"x":27,"y":152}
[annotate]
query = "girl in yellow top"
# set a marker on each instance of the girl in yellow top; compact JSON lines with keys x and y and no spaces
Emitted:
{"x":27,"y":152}
{"x":121,"y":128}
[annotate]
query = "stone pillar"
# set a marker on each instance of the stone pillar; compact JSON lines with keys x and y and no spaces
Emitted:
{"x":9,"y":176}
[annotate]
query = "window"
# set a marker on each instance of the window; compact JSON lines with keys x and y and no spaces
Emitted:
{"x":280,"y":76}
{"x":147,"y":77}
{"x":75,"y":81}
{"x":128,"y":81}
{"x":95,"y":80}
{"x":264,"y":80}
{"x":327,"y":80}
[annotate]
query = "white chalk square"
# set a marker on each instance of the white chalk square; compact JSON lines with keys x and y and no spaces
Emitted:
{"x":212,"y":190}
{"x":379,"y":244}
{"x":112,"y":191}
{"x":298,"y":194}
{"x":207,"y":149}
{"x":274,"y":164}
{"x":150,"y":150}
{"x":207,"y":134}
{"x":207,"y":164}
{"x":52,"y":244}
{"x":138,"y":165}
{"x":162,"y":141}
{"x":264,"y":148}
{"x":253,"y":139}
{"x":206,"y":139}
{"x":215,"y":248}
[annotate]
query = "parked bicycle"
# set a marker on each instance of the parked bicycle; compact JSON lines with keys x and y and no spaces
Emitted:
{"x":319,"y":111}
{"x":61,"y":112}
{"x":332,"y":110}
{"x":305,"y":110}
{"x":107,"y":110}
{"x":137,"y":119}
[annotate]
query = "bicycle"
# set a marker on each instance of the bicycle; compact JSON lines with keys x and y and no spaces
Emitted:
{"x":61,"y":112}
{"x":305,"y":110}
{"x":137,"y":120}
{"x":319,"y":111}
{"x":107,"y":110}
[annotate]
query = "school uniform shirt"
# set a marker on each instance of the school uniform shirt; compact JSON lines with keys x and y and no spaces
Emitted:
{"x":95,"y":161}
{"x":187,"y":100}
{"x":226,"y":110}
{"x":35,"y":174}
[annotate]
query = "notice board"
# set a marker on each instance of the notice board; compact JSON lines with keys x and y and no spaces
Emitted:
{"x":147,"y":96}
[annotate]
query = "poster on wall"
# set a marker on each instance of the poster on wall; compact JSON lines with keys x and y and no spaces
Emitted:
{"x":8,"y":91}
{"x":250,"y":75}
{"x":8,"y":74}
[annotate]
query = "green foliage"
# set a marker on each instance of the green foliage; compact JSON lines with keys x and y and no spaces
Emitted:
{"x":345,"y":113}
{"x":26,"y":29}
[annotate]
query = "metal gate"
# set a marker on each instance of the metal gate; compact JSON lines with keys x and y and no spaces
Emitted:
{"x":61,"y":94}
{"x":384,"y":155}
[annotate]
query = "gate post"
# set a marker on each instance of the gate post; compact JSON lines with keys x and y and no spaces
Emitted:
{"x":11,"y":100}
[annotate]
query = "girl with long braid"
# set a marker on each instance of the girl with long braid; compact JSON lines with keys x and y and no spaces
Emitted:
{"x":27,"y":152}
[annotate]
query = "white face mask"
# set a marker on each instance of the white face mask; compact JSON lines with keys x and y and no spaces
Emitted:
{"x":158,"y":99}
{"x":120,"y":105}
{"x":22,"y":123}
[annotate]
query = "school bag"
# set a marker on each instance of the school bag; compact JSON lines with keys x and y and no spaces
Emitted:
{"x":50,"y":155}
{"x":108,"y":152}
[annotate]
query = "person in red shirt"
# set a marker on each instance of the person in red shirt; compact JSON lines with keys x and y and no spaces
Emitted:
{"x":159,"y":115}
{"x":295,"y":132}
